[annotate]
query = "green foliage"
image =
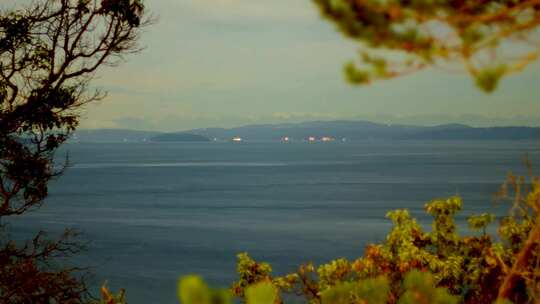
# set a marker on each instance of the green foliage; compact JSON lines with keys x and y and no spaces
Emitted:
{"x":193,"y":290}
{"x":408,"y":36}
{"x":372,"y":291}
{"x":355,"y":75}
{"x":488,"y":78}
{"x":250,"y":273}
{"x":481,"y":221}
{"x":414,"y":265}
{"x":261,"y":293}
{"x":107,"y":297}
{"x":420,"y":288}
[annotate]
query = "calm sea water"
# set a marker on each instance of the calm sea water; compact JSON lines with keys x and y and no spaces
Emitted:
{"x":153,"y":212}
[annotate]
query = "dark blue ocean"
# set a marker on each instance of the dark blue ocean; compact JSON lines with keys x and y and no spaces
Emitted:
{"x":151,"y":212}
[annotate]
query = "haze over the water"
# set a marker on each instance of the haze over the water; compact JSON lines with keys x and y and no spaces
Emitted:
{"x":235,"y":62}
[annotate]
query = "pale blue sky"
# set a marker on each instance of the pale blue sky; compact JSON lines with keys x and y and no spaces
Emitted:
{"x":226,"y":63}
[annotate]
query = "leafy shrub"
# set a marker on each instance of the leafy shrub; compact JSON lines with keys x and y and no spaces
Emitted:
{"x":192,"y":289}
{"x":417,"y":266}
{"x":107,"y":297}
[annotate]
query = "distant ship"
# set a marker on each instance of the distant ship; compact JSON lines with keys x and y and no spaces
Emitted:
{"x":311,"y":138}
{"x":328,"y":138}
{"x":237,"y":139}
{"x":285,"y":139}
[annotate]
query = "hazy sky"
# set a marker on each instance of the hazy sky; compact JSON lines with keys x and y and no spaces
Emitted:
{"x":232,"y":62}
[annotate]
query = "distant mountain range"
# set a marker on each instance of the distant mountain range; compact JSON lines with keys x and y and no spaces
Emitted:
{"x":350,"y":130}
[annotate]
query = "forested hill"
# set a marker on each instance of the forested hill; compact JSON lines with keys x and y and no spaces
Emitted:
{"x":120,"y":135}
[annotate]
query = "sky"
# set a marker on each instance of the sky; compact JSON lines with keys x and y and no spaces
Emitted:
{"x":226,"y":63}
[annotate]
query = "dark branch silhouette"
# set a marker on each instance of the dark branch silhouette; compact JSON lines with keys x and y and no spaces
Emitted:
{"x":49,"y":52}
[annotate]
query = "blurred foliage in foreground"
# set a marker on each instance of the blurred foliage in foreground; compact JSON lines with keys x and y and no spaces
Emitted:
{"x":489,"y":38}
{"x":412,"y":265}
{"x":418,"y":288}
